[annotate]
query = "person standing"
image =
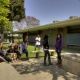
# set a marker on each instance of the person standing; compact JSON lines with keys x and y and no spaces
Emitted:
{"x":46,"y":50}
{"x":24,"y":49}
{"x":26,"y":40}
{"x":58,"y":48}
{"x":38,"y":42}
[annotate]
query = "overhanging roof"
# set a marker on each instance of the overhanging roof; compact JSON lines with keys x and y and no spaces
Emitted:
{"x":61,"y":24}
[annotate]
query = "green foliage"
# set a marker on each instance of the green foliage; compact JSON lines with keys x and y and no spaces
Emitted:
{"x":4,"y":3}
{"x":17,"y":10}
{"x":4,"y":11}
{"x":8,"y":26}
{"x":5,"y":46}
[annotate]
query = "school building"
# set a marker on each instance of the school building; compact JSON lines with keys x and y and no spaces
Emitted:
{"x":70,"y":30}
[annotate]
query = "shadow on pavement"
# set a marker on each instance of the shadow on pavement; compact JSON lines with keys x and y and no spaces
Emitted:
{"x":36,"y":67}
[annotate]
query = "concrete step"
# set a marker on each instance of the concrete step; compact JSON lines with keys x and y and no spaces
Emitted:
{"x":7,"y":72}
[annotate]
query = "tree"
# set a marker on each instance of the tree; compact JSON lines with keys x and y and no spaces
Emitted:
{"x":12,"y":10}
{"x":4,"y":11}
{"x":17,"y":10}
{"x":32,"y":21}
{"x":18,"y":25}
{"x":26,"y":23}
{"x":8,"y":27}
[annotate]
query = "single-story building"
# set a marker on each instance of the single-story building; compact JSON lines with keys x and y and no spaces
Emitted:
{"x":70,"y":30}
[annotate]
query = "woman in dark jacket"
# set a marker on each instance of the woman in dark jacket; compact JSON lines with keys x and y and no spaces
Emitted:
{"x":3,"y":57}
{"x":58,"y":47}
{"x":46,"y":50}
{"x":16,"y":50}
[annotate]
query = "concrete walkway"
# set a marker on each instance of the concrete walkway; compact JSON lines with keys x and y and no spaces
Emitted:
{"x":7,"y":72}
{"x":34,"y":70}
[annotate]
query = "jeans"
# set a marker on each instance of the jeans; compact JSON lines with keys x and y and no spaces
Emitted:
{"x":46,"y":54}
{"x":26,"y":52}
{"x":6,"y":58}
{"x":1,"y":60}
{"x":58,"y":53}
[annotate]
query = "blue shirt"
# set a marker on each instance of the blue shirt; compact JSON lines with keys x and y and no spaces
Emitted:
{"x":23,"y":47}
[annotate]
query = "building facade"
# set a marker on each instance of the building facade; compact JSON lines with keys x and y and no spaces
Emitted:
{"x":70,"y":30}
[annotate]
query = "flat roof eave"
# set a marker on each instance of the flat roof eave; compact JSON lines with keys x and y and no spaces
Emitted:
{"x":61,"y":24}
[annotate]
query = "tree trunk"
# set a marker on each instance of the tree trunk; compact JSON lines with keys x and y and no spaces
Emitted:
{"x":2,"y":37}
{"x":2,"y":34}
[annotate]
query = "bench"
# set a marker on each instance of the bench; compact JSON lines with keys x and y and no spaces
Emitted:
{"x":41,"y":51}
{"x":5,"y":42}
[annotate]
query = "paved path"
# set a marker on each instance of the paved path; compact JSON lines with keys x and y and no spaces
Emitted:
{"x":34,"y":70}
{"x":7,"y":72}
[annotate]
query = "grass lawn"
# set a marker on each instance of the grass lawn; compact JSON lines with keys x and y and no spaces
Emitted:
{"x":18,"y":40}
{"x":30,"y":48}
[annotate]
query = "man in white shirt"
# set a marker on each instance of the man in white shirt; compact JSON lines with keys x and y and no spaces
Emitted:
{"x":38,"y":42}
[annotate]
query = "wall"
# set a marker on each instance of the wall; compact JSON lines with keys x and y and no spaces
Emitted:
{"x":71,"y":63}
{"x":52,"y":36}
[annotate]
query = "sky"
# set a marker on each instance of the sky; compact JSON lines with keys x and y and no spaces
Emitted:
{"x":48,"y":11}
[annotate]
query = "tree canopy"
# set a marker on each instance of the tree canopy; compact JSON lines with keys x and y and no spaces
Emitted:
{"x":32,"y":21}
{"x":17,"y":10}
{"x":25,"y":23}
{"x":4,"y":11}
{"x":10,"y":10}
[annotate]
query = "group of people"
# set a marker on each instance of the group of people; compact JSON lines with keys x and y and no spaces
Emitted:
{"x":14,"y":50}
{"x":45,"y":45}
{"x":18,"y":49}
{"x":2,"y":55}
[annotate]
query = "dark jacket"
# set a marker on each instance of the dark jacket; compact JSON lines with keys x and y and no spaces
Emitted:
{"x":45,"y":44}
{"x":1,"y":53}
{"x":10,"y":50}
